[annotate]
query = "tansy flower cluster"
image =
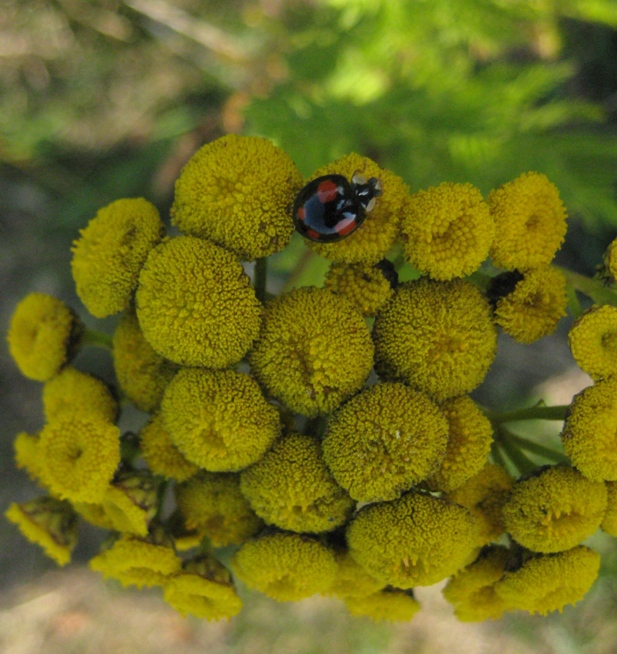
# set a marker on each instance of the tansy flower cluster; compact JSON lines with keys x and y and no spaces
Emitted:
{"x":326,"y":436}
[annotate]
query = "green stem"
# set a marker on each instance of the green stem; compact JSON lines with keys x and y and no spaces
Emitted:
{"x":537,"y":412}
{"x":537,"y":448}
{"x":497,"y":455}
{"x":98,"y":339}
{"x":593,"y":288}
{"x":523,"y":463}
{"x":480,"y":280}
{"x":160,"y":497}
{"x":260,"y":276}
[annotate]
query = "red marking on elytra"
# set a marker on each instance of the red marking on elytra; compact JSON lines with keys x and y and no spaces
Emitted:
{"x":312,"y":233}
{"x":301,"y":213}
{"x":346,"y":228}
{"x":327,"y":191}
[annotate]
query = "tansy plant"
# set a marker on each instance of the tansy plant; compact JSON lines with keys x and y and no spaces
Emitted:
{"x":326,"y":435}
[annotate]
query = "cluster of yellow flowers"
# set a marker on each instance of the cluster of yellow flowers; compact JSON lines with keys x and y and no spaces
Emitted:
{"x":323,"y":440}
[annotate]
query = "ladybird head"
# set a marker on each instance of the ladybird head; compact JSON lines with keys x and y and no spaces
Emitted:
{"x":366,"y":191}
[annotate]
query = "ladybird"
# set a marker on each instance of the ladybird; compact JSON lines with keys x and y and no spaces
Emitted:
{"x":331,"y":207}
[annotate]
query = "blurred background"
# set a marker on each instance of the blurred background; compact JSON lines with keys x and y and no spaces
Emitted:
{"x":103,"y":99}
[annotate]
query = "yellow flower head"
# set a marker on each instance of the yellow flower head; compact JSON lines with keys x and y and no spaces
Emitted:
{"x":48,"y":522}
{"x":470,"y":435}
{"x":448,"y":231}
{"x":610,"y":261}
{"x":609,"y":522}
{"x":593,"y":341}
{"x":484,"y":495}
{"x":384,"y":440}
{"x":72,"y":391}
{"x":203,"y":589}
{"x":80,"y":454}
{"x":530,"y":222}
{"x":110,"y":252}
{"x":471,"y":590}
{"x":367,"y":286}
{"x":389,"y":605}
{"x":416,"y":540}
{"x":195,"y":304}
{"x":44,"y":336}
{"x":377,"y":234}
{"x":437,"y":336}
{"x":313,"y":352}
{"x":352,"y":580}
{"x":589,"y":432}
{"x":292,"y":488}
{"x":94,"y":514}
{"x":550,"y":581}
{"x":137,"y":562}
{"x":534,"y":305}
{"x":212,"y":504}
{"x":28,"y":455}
{"x":554,"y":510}
{"x":142,"y":373}
{"x":161,"y":454}
{"x":285,"y":566}
{"x":238,"y":191}
{"x":219,"y":419}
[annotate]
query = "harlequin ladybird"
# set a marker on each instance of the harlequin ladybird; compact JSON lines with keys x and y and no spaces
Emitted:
{"x":330,"y":208}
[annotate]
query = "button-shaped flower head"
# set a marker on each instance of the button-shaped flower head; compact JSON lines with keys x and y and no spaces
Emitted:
{"x":384,"y":440}
{"x":447,"y":231}
{"x":313,"y":352}
{"x":388,"y":604}
{"x":593,"y":341}
{"x":437,"y":336}
{"x":219,"y":419}
{"x":110,"y":252}
{"x":530,"y":222}
{"x":238,"y":191}
{"x":195,"y":304}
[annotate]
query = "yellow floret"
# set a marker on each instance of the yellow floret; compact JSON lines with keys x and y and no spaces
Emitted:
{"x":212,"y":504}
{"x":367,"y":286}
{"x":548,"y":582}
{"x":530,"y":222}
{"x":609,"y":522}
{"x":384,"y":440}
{"x":593,"y":341}
{"x":555,"y":510}
{"x":195,"y":305}
{"x":448,"y":231}
{"x":219,"y":419}
{"x":352,"y":580}
{"x":535,"y":306}
{"x":44,"y":336}
{"x":237,"y":191}
{"x":610,"y":261}
{"x":470,"y":435}
{"x":591,"y":429}
{"x":110,"y":252}
{"x":313,"y":352}
{"x":416,"y":540}
{"x":48,"y":522}
{"x":72,"y":391}
{"x":389,"y":605}
{"x":142,"y":373}
{"x":437,"y":336}
{"x":292,"y":488}
{"x":161,"y":454}
{"x":80,"y":454}
{"x":377,"y":234}
{"x":287,"y":567}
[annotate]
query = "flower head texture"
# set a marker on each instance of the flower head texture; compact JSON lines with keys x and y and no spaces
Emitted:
{"x":530,"y":222}
{"x":377,"y":234}
{"x":219,"y":419}
{"x":195,"y":305}
{"x":416,"y":540}
{"x":285,"y":566}
{"x":238,"y":191}
{"x":313,"y":352}
{"x":610,"y":260}
{"x":535,"y":306}
{"x":437,"y":336}
{"x":387,"y":605}
{"x":384,"y":440}
{"x":470,"y":435}
{"x":352,"y":580}
{"x":554,"y":510}
{"x":48,"y":522}
{"x":590,"y":431}
{"x":212,"y":504}
{"x":609,"y":522}
{"x":110,"y":252}
{"x":593,"y":341}
{"x":447,"y":231}
{"x":548,"y":582}
{"x":44,"y":335}
{"x":28,"y":454}
{"x":306,"y":498}
{"x":142,"y":373}
{"x":367,"y":286}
